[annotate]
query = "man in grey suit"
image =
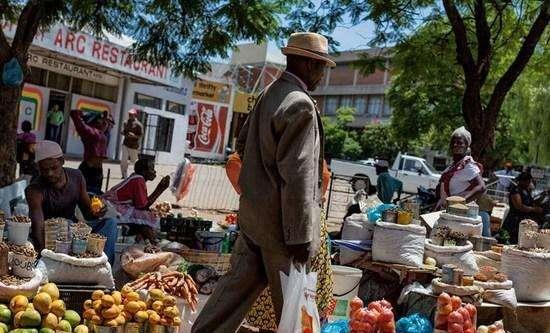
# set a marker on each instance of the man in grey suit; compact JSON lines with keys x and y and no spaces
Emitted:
{"x":281,"y":147}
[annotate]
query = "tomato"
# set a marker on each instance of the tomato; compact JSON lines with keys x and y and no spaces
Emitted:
{"x":445,"y":310}
{"x":307,"y":330}
{"x":386,"y":316}
{"x":455,"y":328}
{"x":455,"y":317}
{"x":356,"y":303}
{"x":370,"y":317}
{"x":471,"y":309}
{"x":443,"y":299}
{"x":366,"y":328}
{"x":465,"y":314}
{"x":354,"y":325}
{"x":441,"y":322}
{"x":375,"y":306}
{"x":387,"y":327}
{"x":456,"y":302}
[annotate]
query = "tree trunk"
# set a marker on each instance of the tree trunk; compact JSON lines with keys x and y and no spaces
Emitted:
{"x":9,"y":98}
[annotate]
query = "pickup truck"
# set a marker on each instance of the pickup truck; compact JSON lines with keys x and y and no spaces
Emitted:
{"x":411,"y":170}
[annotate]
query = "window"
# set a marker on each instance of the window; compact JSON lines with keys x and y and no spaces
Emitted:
{"x":331,"y":104}
{"x":360,"y":104}
{"x":175,"y":107}
{"x":59,"y":81}
{"x":148,"y":101}
{"x":412,"y":166}
{"x":106,"y":92}
{"x":374,"y":106}
{"x":158,"y":133}
{"x":165,"y":131}
{"x":37,"y":76}
{"x":83,"y":87}
{"x":387,"y":108}
{"x":346,"y":101}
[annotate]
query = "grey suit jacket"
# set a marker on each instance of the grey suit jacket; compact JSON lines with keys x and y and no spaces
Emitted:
{"x":281,"y":146}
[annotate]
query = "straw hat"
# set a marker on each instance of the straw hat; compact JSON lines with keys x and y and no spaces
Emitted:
{"x":310,"y":45}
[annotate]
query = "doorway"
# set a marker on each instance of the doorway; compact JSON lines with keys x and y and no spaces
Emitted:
{"x":55,"y":119}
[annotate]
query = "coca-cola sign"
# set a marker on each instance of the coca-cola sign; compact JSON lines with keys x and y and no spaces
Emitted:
{"x":209,"y":136}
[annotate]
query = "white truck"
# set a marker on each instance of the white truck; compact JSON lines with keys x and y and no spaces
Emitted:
{"x":413,"y":171}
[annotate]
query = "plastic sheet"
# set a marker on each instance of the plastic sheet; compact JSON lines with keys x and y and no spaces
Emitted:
{"x":415,"y":323}
{"x":374,"y":214}
{"x":338,"y":326}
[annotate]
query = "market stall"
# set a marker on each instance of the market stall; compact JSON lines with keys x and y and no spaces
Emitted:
{"x":163,"y":287}
{"x":410,"y":261}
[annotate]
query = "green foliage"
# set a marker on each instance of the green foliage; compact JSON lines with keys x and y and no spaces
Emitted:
{"x":340,"y":141}
{"x":185,"y":34}
{"x":427,"y":88}
{"x":378,"y":141}
{"x":351,"y":144}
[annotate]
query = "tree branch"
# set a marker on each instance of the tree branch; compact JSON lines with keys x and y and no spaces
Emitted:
{"x":4,"y":47}
{"x":27,"y":27}
{"x":505,"y":83}
{"x":483,"y":34}
{"x":463,"y":51}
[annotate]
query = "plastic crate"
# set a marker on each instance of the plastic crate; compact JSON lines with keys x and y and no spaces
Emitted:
{"x":75,"y":295}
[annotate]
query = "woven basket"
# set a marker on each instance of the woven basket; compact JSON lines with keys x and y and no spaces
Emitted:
{"x":219,"y":261}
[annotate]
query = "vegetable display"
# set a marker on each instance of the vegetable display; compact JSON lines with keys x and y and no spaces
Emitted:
{"x":454,"y":317}
{"x":377,"y":317}
{"x":173,"y":283}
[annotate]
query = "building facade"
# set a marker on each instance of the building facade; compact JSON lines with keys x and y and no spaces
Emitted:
{"x":75,"y":70}
{"x":345,"y":86}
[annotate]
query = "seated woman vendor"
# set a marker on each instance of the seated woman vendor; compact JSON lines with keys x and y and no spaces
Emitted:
{"x":522,"y":205}
{"x":57,"y":191}
{"x":131,"y":200}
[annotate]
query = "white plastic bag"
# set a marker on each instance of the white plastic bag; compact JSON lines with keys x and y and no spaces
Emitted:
{"x":398,"y":244}
{"x":471,"y":227}
{"x":300,"y":313}
{"x":461,"y":256}
{"x":62,"y":268}
{"x":530,"y":273}
{"x":355,"y":227}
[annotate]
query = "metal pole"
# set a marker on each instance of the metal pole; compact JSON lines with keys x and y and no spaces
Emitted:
{"x":108,"y":178}
{"x":329,"y":195}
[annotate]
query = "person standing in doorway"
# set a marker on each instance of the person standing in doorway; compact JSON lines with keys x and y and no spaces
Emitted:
{"x":132,"y":132}
{"x":55,"y":120}
{"x":280,"y":180}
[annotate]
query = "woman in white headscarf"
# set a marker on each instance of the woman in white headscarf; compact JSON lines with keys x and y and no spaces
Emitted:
{"x":463,"y":177}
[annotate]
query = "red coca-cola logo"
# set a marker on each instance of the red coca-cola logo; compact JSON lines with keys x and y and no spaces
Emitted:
{"x":207,"y":130}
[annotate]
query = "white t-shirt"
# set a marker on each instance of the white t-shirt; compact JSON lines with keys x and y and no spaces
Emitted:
{"x":461,"y":179}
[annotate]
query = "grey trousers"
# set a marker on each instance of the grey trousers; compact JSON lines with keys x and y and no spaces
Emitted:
{"x":252,"y":269}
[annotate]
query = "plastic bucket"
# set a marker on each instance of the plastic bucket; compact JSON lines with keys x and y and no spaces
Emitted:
{"x":346,"y":285}
{"x":210,"y":241}
{"x":18,"y":232}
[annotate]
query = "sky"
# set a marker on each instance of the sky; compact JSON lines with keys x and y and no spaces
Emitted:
{"x":350,"y":38}
{"x":354,"y":37}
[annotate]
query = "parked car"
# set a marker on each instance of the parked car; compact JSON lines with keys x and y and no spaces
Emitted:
{"x":413,"y":171}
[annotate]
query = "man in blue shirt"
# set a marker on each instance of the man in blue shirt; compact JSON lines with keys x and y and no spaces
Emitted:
{"x":386,"y":185}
